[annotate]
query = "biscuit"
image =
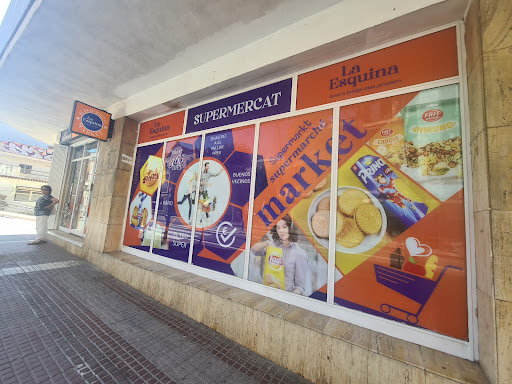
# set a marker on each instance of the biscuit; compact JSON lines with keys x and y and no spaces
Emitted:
{"x":320,"y":223}
{"x":350,"y":236}
{"x":321,"y":184}
{"x":340,"y":220}
{"x":368,"y":218}
{"x":324,"y":204}
{"x":350,"y":199}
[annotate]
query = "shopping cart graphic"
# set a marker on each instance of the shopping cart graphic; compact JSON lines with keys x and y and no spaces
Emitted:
{"x":411,"y":286}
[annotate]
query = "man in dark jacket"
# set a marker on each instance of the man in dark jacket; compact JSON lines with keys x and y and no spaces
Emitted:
{"x":42,"y":210}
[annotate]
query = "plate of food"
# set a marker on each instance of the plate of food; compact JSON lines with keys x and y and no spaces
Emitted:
{"x":360,"y":220}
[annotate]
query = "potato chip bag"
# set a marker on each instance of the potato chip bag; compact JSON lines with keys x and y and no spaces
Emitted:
{"x":273,"y":273}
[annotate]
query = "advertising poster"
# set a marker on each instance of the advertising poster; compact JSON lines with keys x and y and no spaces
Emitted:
{"x":400,"y":242}
{"x":147,"y":176}
{"x":223,"y":202}
{"x":428,"y":58}
{"x":289,"y":245}
{"x":176,"y":206}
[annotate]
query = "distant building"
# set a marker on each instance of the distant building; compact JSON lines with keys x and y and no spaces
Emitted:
{"x":23,"y":170}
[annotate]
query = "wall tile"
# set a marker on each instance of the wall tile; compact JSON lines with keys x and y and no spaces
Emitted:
{"x":480,"y":173}
{"x":476,"y":100}
{"x":384,"y":370}
{"x":504,"y":325}
{"x":113,"y":238}
{"x":500,"y":171}
{"x":95,"y":236}
{"x":502,"y":252}
{"x":496,"y":24}
{"x":498,"y":94}
{"x":117,"y":212}
{"x":472,"y":38}
{"x":483,"y":252}
{"x":130,"y":130}
{"x":487,"y":335}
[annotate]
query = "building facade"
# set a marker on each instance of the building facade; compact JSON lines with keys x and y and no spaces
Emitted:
{"x":23,"y":170}
{"x":335,"y":217}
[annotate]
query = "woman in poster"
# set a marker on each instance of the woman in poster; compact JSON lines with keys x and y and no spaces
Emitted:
{"x":295,"y":259}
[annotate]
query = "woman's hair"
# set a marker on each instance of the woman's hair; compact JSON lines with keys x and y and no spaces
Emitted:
{"x":47,"y":187}
{"x":292,"y":230}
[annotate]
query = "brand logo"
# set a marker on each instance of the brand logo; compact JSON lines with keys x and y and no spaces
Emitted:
{"x":92,"y":122}
{"x":386,"y":132}
{"x":150,"y":178}
{"x":225,"y":234}
{"x":432,"y":115}
{"x":371,"y":169}
{"x":275,"y":262}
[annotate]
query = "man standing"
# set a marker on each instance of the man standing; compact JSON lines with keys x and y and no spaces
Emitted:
{"x":42,"y":210}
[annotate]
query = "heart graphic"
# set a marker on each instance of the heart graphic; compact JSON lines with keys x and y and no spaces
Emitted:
{"x":415,"y":248}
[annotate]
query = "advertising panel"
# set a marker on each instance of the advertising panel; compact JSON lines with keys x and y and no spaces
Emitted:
{"x":265,"y":101}
{"x":223,"y":203}
{"x":90,"y":121}
{"x":147,"y":176}
{"x":176,"y":206}
{"x":417,"y":61}
{"x":161,"y":128}
{"x":289,"y":245}
{"x":400,"y":242}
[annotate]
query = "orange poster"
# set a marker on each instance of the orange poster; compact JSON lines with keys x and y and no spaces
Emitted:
{"x":401,"y":241}
{"x":421,"y":60}
{"x":162,"y":127}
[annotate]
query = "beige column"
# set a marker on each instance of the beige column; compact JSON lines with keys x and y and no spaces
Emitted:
{"x":111,"y":188}
{"x":489,"y":68}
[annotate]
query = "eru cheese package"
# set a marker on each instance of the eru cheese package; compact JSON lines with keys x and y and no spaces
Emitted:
{"x":273,"y":273}
{"x":402,"y":206}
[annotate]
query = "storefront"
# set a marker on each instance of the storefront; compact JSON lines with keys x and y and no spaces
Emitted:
{"x":79,"y":181}
{"x":242,"y":190}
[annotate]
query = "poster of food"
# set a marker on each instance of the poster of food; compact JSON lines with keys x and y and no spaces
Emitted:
{"x":223,"y":201}
{"x":290,"y":233}
{"x":147,"y":176}
{"x":400,"y":227}
{"x":176,"y":205}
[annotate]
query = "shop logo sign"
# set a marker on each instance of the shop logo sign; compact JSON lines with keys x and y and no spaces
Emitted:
{"x":92,"y":122}
{"x":225,"y":233}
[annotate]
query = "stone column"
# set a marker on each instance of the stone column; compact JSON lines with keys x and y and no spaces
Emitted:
{"x":489,"y":69}
{"x":111,"y":188}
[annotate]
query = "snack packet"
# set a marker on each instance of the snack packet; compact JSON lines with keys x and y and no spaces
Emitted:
{"x":433,"y":136}
{"x":389,"y":142}
{"x":402,"y":206}
{"x":273,"y":273}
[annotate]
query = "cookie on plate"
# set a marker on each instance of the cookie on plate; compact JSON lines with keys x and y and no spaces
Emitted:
{"x":320,"y":223}
{"x":321,"y":184}
{"x":368,"y":218}
{"x":324,"y":204}
{"x":350,"y":200}
{"x":350,"y":236}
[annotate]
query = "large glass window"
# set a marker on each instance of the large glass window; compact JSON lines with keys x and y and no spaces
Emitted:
{"x":77,"y":197}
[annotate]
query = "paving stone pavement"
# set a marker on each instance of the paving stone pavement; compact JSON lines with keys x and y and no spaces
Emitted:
{"x":62,"y":320}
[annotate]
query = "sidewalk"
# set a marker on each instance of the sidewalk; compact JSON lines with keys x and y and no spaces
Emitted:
{"x":62,"y":320}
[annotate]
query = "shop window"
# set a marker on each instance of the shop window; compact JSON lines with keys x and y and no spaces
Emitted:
{"x":78,"y":190}
{"x":27,"y":194}
{"x":25,"y":169}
